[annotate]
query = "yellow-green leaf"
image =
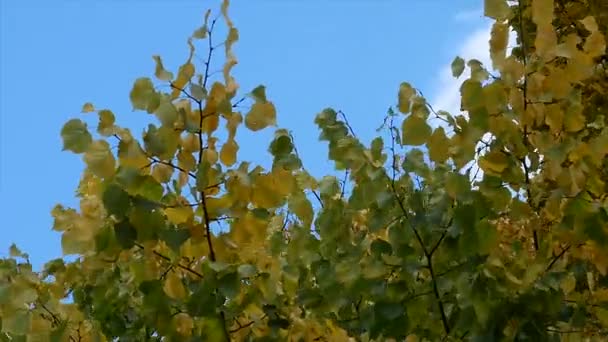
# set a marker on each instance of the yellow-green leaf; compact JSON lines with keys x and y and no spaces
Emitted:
{"x":494,"y":162}
{"x":438,"y":146}
{"x":160,"y":71}
{"x":415,"y":131}
{"x":100,"y":160}
{"x":457,"y":66}
{"x":88,"y":107}
{"x":496,"y":9}
{"x":179,"y":215}
{"x":76,"y":137}
{"x":143,"y":96}
{"x":105,"y":126}
{"x":406,"y":91}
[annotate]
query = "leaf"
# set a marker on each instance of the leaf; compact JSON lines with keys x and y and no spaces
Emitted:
{"x":160,"y":71}
{"x":247,"y":270}
{"x":100,"y":160}
{"x":228,"y":152}
{"x":415,"y":131}
{"x":126,"y":234}
{"x":76,"y":137}
{"x":16,"y":252}
{"x":406,"y":92}
{"x":457,"y":66}
{"x":179,"y":215}
{"x":174,"y":287}
{"x":438,"y":145}
{"x":116,"y":201}
{"x":494,"y":162}
{"x":184,"y":324}
{"x":496,"y":9}
{"x":105,"y":126}
{"x":261,"y":115}
{"x":88,"y":107}
{"x":259,"y":93}
{"x":143,"y":96}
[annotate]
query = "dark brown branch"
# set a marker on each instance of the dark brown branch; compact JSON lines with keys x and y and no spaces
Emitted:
{"x":166,"y":258}
{"x":557,"y":257}
{"x":427,"y":254}
{"x":244,"y":326}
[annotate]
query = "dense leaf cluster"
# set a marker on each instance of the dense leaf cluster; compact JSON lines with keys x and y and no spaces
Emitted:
{"x":489,"y":224}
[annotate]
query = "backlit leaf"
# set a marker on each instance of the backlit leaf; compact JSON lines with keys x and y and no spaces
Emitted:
{"x":261,"y":115}
{"x":160,"y":71}
{"x":457,"y":66}
{"x":415,"y":131}
{"x":76,"y":137}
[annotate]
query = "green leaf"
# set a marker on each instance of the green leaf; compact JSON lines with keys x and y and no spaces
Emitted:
{"x":174,"y":237}
{"x":116,"y":201}
{"x":76,"y":137}
{"x":247,"y":270}
{"x":415,"y":131}
{"x":457,"y":66}
{"x":228,"y":284}
{"x":126,"y":234}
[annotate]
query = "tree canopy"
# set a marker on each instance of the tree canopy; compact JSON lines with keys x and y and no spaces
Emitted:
{"x":489,"y":224}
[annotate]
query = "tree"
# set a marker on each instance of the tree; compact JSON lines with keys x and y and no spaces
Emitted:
{"x":491,"y":225}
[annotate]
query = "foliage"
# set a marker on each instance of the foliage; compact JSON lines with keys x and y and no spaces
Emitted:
{"x":486,"y":225}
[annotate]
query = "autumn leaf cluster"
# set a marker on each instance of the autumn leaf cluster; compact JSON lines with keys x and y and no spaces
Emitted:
{"x":487,"y":224}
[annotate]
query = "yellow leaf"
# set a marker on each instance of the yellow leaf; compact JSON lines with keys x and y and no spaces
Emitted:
{"x":174,"y":287}
{"x":496,"y":9}
{"x":546,"y":41}
{"x":160,"y":71}
{"x":498,"y":43}
{"x":210,"y":122}
{"x":261,"y":115}
{"x":190,"y":142}
{"x":406,"y":91}
{"x":179,"y":215}
{"x":542,"y":12}
{"x":415,"y":131}
{"x":228,"y":152}
{"x":568,"y":284}
{"x":162,"y":173}
{"x":100,"y":160}
{"x":88,"y":107}
{"x":574,"y":120}
{"x":554,"y":117}
{"x":595,"y":44}
{"x":183,"y":324}
{"x":438,"y":145}
{"x":186,"y":160}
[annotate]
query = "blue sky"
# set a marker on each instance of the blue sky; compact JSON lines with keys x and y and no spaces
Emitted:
{"x":349,"y":55}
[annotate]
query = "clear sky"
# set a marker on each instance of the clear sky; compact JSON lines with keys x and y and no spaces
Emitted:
{"x":346,"y":54}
